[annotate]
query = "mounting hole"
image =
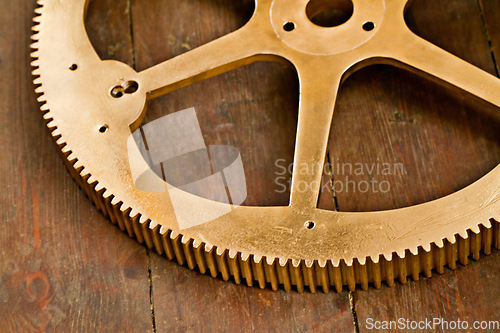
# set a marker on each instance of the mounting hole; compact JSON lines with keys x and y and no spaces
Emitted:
{"x":310,"y":225}
{"x":103,"y":129}
{"x":368,"y":26}
{"x":73,"y":67}
{"x":130,"y":87}
{"x":117,"y":92}
{"x":289,"y":26}
{"x":329,"y":13}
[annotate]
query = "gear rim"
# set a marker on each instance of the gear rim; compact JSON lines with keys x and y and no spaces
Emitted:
{"x":312,"y":271}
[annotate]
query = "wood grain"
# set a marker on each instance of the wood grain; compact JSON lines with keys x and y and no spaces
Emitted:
{"x":63,"y":267}
{"x":188,"y":301}
{"x":491,"y":16}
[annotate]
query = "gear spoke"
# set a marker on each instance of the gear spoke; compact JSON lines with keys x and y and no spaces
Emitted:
{"x":318,"y":93}
{"x":418,"y":53}
{"x":234,"y":50}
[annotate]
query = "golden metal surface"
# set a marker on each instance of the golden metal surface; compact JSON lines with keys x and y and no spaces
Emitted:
{"x":273,"y":246}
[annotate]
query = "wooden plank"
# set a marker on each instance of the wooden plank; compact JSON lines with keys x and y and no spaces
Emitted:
{"x":188,"y":301}
{"x":108,"y":27}
{"x":492,"y":19}
{"x":164,"y":29}
{"x":62,"y":265}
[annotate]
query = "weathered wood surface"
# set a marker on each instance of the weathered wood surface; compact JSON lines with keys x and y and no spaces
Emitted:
{"x":62,"y":265}
{"x":64,"y":268}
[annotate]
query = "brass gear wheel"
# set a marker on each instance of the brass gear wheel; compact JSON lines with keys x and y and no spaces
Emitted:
{"x":267,"y":246}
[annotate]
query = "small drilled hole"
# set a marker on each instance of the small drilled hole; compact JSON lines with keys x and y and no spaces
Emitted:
{"x":289,"y":26}
{"x":130,"y":87}
{"x":103,"y":129}
{"x":73,"y":67}
{"x":368,"y":26}
{"x":310,"y":225}
{"x":117,"y":92}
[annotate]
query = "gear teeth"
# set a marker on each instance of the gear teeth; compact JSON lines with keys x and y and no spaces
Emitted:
{"x":210,"y":260}
{"x":495,"y":234}
{"x":284,"y":274}
{"x":177,"y":247}
{"x":45,"y":109}
{"x":389,"y":272}
{"x":475,"y":244}
{"x":52,"y":125}
{"x":39,"y":90}
{"x":451,"y":254}
{"x":296,"y":275}
{"x":373,"y":269}
{"x":439,"y":258}
{"x":199,"y":255}
{"x":335,"y":276}
{"x":258,"y":270}
{"x":246,"y":271}
{"x":364,"y":277}
{"x":47,"y":114}
{"x":41,"y":98}
{"x":188,"y":252}
{"x":167,"y":244}
{"x":271,"y":273}
{"x":234,"y":267}
{"x":154,"y":235}
{"x":348,"y":276}
{"x":307,"y":271}
{"x":222,"y":265}
{"x":146,"y":235}
{"x":322,"y":276}
{"x":314,"y":275}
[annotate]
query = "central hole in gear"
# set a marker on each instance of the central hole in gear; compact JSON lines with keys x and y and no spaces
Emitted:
{"x":329,"y":13}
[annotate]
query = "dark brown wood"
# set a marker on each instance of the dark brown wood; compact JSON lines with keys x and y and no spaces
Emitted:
{"x":491,"y":16}
{"x":62,"y":265}
{"x":188,"y":301}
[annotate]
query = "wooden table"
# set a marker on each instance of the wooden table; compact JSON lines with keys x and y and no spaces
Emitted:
{"x":65,"y":268}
